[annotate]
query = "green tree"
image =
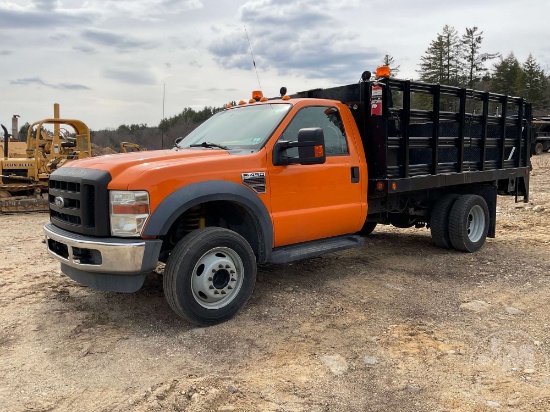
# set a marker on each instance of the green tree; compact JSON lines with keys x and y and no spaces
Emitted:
{"x":442,"y":61}
{"x":188,"y":115}
{"x":506,"y":76}
{"x":22,"y":135}
{"x":533,"y":83}
{"x":474,"y":60}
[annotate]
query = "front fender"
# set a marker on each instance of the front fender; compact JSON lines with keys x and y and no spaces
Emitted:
{"x":186,"y":197}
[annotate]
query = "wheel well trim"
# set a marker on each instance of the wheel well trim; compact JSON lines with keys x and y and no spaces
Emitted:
{"x":175,"y":204}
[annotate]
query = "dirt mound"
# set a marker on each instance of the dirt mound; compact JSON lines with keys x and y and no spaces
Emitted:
{"x":100,"y":151}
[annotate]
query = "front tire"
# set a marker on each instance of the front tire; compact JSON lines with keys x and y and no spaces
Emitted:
{"x":468,"y":223}
{"x":538,"y":148}
{"x":210,"y":275}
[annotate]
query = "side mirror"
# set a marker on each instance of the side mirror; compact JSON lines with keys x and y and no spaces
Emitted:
{"x":311,"y":148}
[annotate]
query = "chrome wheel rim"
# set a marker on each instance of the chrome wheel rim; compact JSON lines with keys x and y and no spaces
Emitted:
{"x":217,"y":278}
{"x":476,"y":223}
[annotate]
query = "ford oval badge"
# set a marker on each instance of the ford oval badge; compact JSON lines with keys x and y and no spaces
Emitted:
{"x":59,"y":201}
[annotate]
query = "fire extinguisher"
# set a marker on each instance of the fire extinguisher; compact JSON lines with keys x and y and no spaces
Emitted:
{"x":376,"y":100}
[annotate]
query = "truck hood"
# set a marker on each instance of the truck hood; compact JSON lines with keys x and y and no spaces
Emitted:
{"x":170,"y":169}
{"x":139,"y":162}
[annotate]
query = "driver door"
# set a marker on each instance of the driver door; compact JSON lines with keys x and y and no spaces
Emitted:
{"x":312,"y":202}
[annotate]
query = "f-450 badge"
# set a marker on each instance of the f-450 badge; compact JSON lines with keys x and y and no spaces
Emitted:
{"x":255,"y":181}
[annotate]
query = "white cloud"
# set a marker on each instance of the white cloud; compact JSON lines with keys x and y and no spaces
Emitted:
{"x":300,"y":37}
{"x":139,"y":76}
{"x":106,"y":61}
{"x":38,"y":81}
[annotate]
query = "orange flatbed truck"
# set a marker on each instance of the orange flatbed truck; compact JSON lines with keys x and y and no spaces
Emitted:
{"x":277,"y":180}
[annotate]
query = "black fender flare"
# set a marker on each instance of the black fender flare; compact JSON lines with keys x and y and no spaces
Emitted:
{"x":191,"y":195}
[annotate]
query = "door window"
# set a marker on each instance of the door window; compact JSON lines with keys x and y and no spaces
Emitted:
{"x":328,"y":119}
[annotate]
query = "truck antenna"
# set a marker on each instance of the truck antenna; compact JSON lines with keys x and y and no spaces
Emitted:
{"x":252,"y":55}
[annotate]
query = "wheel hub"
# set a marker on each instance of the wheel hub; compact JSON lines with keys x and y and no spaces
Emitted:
{"x":217,"y":278}
{"x":476,"y":223}
{"x":221,"y":279}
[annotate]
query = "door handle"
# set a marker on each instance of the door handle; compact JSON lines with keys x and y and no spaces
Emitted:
{"x":355,"y":174}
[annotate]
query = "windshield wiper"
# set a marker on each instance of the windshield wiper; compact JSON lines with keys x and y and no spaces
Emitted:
{"x":209,"y":144}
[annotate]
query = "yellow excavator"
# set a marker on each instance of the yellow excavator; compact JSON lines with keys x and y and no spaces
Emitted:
{"x":24,"y":184}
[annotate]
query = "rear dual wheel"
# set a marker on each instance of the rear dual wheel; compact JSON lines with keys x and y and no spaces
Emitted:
{"x":439,"y":221}
{"x":469,"y":223}
{"x":460,"y":222}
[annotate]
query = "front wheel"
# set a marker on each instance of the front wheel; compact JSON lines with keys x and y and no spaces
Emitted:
{"x":210,"y":275}
{"x":538,"y":148}
{"x":468,"y":223}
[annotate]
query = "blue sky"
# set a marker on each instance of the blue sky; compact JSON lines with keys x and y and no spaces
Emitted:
{"x":106,"y":62}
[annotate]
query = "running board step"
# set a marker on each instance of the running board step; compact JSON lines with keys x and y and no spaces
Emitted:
{"x":314,"y":248}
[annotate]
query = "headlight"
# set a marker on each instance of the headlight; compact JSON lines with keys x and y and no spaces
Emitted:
{"x":129,"y":211}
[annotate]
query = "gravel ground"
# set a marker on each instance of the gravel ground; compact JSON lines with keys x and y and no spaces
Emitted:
{"x":397,"y":325}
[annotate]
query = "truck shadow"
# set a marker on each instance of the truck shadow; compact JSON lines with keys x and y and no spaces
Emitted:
{"x":393,"y":261}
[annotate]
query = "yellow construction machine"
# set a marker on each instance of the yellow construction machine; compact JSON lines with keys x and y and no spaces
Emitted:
{"x":25,"y":176}
{"x":127,"y":147}
{"x":15,"y":149}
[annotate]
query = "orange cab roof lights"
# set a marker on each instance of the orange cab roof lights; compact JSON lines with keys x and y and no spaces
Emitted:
{"x":257,"y":95}
{"x":383,"y":71}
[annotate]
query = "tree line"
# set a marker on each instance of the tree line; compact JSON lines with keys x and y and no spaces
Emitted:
{"x":451,"y":58}
{"x":155,"y":137}
{"x":458,"y":60}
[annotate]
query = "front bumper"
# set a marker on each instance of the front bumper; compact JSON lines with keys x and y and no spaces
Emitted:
{"x":111,"y":264}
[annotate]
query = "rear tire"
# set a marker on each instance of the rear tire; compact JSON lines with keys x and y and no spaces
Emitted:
{"x":439,"y":221}
{"x":367,"y":228}
{"x":468,"y":223}
{"x":538,"y":148}
{"x":210,"y":275}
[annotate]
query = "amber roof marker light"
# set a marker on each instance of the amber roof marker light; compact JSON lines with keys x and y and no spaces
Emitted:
{"x":382,"y":72}
{"x":257,"y":95}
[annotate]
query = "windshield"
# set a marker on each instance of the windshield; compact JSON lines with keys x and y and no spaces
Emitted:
{"x":246,"y":127}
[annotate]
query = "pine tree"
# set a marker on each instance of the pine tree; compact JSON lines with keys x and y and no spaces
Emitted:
{"x":442,"y":61}
{"x":473,"y":58}
{"x":507,"y":76}
{"x":431,"y":66}
{"x":23,"y":131}
{"x":533,"y":83}
{"x":389,"y":61}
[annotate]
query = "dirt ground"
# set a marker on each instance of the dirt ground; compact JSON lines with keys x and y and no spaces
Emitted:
{"x":397,"y":325}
